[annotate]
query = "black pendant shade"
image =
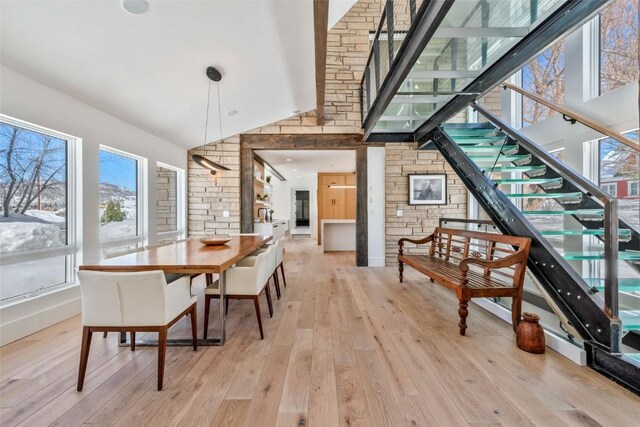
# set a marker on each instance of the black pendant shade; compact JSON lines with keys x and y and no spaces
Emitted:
{"x":211,"y":165}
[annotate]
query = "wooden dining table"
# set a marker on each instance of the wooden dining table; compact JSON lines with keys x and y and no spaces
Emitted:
{"x":187,"y":257}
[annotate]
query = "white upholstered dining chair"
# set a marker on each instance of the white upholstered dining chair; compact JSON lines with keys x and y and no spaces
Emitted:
{"x":133,"y":302}
{"x":244,"y":281}
{"x":277,"y":261}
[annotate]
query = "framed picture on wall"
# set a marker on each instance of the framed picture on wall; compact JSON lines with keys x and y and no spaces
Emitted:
{"x":428,"y":189}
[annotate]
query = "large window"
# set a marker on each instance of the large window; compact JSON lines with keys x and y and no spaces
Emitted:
{"x":167,"y":205}
{"x":543,"y":76}
{"x":619,"y":173}
{"x":619,"y":45}
{"x":36,"y":239}
{"x":120,"y":179}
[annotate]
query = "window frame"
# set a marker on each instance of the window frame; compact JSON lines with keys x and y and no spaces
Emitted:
{"x":179,"y":232}
{"x":141,"y":197}
{"x":70,"y":249}
{"x":630,"y":185}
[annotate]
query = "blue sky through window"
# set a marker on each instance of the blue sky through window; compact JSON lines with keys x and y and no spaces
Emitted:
{"x":118,"y":170}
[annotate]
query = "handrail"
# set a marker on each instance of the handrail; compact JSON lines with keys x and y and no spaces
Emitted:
{"x":610,"y":205}
{"x":575,"y":116}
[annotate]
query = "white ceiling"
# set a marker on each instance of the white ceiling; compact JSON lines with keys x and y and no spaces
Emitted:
{"x":307,"y":163}
{"x":149,"y":69}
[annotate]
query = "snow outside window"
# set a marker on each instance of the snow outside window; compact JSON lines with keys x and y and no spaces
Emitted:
{"x":36,"y":233}
{"x":119,"y":174}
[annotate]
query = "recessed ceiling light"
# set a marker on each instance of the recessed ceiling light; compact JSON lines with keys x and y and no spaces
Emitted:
{"x":295,"y":170}
{"x":288,"y":160}
{"x":135,"y":7}
{"x":299,"y":176}
{"x":231,"y":113}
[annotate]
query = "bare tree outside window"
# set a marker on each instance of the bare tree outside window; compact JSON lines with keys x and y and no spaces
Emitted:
{"x":33,"y":187}
{"x":543,"y":76}
{"x":619,"y":45}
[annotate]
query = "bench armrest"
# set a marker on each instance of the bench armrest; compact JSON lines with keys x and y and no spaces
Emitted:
{"x":415,"y":241}
{"x":515,"y":258}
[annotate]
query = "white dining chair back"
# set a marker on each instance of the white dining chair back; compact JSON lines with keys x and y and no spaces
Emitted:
{"x":131,"y":299}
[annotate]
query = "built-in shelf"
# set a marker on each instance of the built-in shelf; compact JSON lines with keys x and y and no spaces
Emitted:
{"x":262,"y":182}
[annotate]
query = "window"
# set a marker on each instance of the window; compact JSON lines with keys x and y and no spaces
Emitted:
{"x":609,"y":189}
{"x":167,"y":204}
{"x":618,"y":45}
{"x":36,"y":238}
{"x":543,"y":76}
{"x":120,"y":196}
{"x":619,"y":174}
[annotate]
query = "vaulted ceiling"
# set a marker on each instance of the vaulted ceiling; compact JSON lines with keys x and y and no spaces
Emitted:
{"x":149,"y":69}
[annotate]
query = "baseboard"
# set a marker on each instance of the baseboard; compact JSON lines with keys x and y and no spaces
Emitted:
{"x":570,"y":351}
{"x":27,"y":317}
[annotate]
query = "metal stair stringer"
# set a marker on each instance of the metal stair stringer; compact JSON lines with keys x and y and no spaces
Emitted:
{"x":584,"y":310}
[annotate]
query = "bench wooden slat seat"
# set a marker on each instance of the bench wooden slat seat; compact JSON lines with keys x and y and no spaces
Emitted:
{"x":449,"y":264}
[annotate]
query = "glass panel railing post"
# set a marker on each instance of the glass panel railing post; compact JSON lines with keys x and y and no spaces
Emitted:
{"x":390,"y":30}
{"x":611,"y":300}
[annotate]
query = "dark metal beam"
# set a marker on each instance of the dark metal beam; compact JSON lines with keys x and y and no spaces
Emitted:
{"x":428,"y":18}
{"x":390,"y":137}
{"x":563,"y":21}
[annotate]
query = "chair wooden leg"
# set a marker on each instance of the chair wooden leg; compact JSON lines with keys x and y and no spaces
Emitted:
{"x":284,"y":278}
{"x":162,"y":350}
{"x":133,"y":340}
{"x":257,"y":305}
{"x":207,"y":303}
{"x":104,"y":334}
{"x":276,"y":281}
{"x":226,"y":306}
{"x":463,"y":313}
{"x":208,"y":277}
{"x":267,"y":293}
{"x":84,"y":355}
{"x":194,"y":326}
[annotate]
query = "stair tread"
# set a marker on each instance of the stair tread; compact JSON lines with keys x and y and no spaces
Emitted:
{"x":528,"y":181}
{"x":466,"y":140}
{"x":596,"y":255}
{"x":503,"y":158}
{"x":630,"y":320}
{"x":599,"y":212}
{"x":584,"y":232}
{"x":544,"y":195}
{"x":634,"y":356}
{"x":625,"y":284}
{"x":505,"y":148}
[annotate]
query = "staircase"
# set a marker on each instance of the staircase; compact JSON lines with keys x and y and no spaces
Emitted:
{"x":505,"y":172}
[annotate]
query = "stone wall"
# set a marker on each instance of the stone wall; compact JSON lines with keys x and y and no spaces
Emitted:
{"x":166,"y":199}
{"x":418,"y":221}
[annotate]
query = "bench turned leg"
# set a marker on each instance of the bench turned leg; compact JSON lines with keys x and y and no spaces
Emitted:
{"x":463,"y":313}
{"x":401,"y":271}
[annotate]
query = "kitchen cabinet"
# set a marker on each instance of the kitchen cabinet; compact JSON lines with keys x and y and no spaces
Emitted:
{"x":336,"y":197}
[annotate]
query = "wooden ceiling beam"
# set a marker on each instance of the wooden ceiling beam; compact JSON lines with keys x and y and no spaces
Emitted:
{"x":320,"y":25}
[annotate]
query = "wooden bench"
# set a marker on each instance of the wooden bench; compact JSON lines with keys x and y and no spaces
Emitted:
{"x":473,"y":264}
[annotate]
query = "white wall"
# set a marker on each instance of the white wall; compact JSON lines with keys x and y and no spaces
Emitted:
{"x":283,"y":200}
{"x":376,"y":206}
{"x":28,"y":100}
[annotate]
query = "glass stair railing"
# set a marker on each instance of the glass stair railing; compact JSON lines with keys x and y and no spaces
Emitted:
{"x":564,"y":213}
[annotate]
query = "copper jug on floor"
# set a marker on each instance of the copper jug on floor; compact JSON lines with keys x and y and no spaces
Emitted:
{"x":530,"y":335}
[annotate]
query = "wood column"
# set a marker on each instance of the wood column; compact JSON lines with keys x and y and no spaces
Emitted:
{"x":362,"y":230}
{"x":246,"y":189}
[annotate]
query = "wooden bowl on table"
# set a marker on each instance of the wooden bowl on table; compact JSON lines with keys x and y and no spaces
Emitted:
{"x":217,"y":240}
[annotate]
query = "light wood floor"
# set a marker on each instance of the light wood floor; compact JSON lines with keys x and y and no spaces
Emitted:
{"x":346,"y":346}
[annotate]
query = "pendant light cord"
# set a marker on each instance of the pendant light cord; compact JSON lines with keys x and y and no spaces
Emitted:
{"x":206,"y":121}
{"x":219,"y":111}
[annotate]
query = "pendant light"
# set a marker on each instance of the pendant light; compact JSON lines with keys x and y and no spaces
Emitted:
{"x":214,"y":76}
